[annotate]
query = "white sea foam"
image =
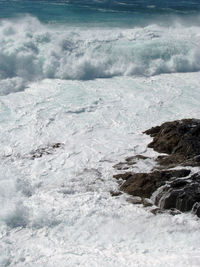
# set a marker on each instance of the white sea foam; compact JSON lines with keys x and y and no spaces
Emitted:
{"x":32,"y":51}
{"x":56,"y":210}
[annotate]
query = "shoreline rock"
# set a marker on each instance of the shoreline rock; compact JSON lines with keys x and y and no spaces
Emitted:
{"x":170,"y":189}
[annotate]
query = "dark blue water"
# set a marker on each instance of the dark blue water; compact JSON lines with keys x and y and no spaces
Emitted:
{"x":109,"y":12}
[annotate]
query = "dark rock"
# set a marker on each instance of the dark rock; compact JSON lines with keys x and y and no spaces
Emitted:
{"x":38,"y":153}
{"x":147,"y":202}
{"x":144,"y":184}
{"x":179,"y":139}
{"x":174,"y":212}
{"x":156,"y":211}
{"x":182,"y":195}
{"x":115,"y":194}
{"x":123,"y":176}
{"x":172,"y":190}
{"x":129,"y":162}
{"x":196,"y":209}
{"x":121,"y":166}
{"x":133,"y":160}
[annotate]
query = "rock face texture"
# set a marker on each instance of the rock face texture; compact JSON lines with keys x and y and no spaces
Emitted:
{"x":144,"y":184}
{"x":169,"y":188}
{"x":179,"y":139}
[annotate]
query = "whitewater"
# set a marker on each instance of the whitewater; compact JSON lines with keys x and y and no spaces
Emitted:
{"x":93,"y":89}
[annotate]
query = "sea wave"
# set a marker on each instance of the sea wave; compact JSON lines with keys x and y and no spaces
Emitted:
{"x":32,"y":51}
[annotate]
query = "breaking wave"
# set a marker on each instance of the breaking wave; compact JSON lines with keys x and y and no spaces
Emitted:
{"x":32,"y":51}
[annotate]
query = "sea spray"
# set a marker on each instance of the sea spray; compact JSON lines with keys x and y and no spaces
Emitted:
{"x":32,"y":51}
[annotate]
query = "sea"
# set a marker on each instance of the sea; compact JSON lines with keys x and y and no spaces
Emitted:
{"x":80,"y":81}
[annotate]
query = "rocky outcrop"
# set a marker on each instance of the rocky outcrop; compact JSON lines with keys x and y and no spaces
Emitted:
{"x":180,"y":140}
{"x":174,"y":189}
{"x":144,"y":184}
{"x":181,"y":194}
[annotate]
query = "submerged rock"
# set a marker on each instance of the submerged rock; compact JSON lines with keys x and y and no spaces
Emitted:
{"x":38,"y":153}
{"x":173,"y":190}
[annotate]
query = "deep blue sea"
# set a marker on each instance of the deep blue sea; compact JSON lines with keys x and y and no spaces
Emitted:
{"x":80,"y":81}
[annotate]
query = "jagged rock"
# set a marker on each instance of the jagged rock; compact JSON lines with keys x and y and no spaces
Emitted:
{"x":180,"y":194}
{"x":180,"y":139}
{"x":144,"y":184}
{"x":172,"y":190}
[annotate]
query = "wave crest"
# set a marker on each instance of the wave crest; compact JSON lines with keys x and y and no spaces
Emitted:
{"x":32,"y":51}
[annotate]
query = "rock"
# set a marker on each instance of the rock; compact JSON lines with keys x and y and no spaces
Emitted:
{"x":180,"y":194}
{"x":134,"y":200}
{"x":174,"y":212}
{"x":115,"y":193}
{"x":129,"y":162}
{"x":171,"y":190}
{"x":38,"y":153}
{"x":196,"y":209}
{"x":144,"y":184}
{"x":156,"y":211}
{"x":147,"y":202}
{"x":123,"y":176}
{"x":133,"y":160}
{"x":121,"y":166}
{"x":180,"y":139}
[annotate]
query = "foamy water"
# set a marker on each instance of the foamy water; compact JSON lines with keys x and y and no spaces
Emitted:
{"x":94,"y":90}
{"x":57,"y":210}
{"x":32,"y":51}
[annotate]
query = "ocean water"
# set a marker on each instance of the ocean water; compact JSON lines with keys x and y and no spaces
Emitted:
{"x":91,"y":75}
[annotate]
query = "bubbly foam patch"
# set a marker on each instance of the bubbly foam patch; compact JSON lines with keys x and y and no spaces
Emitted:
{"x":56,"y":209}
{"x":32,"y":51}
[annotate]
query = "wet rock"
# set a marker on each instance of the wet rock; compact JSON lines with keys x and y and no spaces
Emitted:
{"x":147,"y":202}
{"x":133,"y":160}
{"x":38,"y":153}
{"x":129,"y":162}
{"x":156,"y":211}
{"x":123,"y":176}
{"x":180,"y":139}
{"x":174,"y":212}
{"x":171,"y":190}
{"x":180,"y":194}
{"x":196,"y":209}
{"x":144,"y":184}
{"x":121,"y":166}
{"x":115,"y":193}
{"x":134,"y":200}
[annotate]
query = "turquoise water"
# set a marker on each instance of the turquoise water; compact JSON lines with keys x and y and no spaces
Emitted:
{"x":108,"y":12}
{"x":85,"y":40}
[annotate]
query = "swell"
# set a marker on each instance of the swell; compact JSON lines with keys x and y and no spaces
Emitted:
{"x":32,"y":51}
